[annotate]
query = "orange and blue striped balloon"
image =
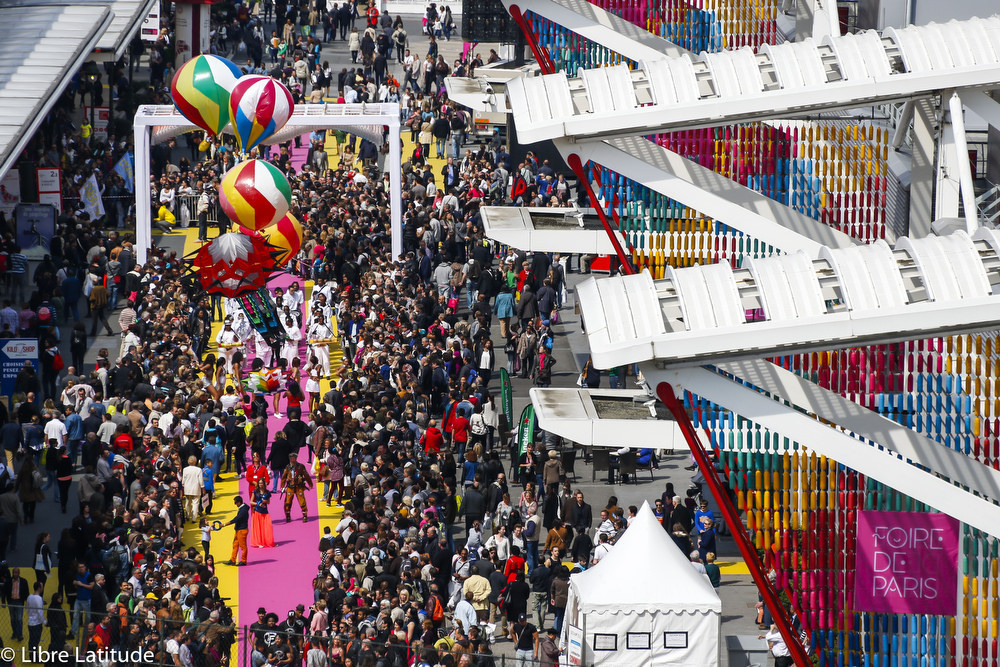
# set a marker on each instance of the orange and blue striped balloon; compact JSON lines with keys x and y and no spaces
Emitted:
{"x":259,"y":106}
{"x":255,"y":194}
{"x":200,"y":90}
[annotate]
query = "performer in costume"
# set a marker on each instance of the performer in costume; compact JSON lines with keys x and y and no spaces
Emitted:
{"x":228,"y":337}
{"x":294,"y":481}
{"x":261,"y":529}
{"x":290,"y":348}
{"x":264,"y":352}
{"x":319,"y":330}
{"x":294,"y":299}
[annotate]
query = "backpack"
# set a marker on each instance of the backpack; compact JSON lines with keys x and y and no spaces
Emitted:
{"x":57,"y":362}
{"x":504,"y":598}
{"x":474,"y":269}
{"x":438,"y":613}
{"x":473,"y":374}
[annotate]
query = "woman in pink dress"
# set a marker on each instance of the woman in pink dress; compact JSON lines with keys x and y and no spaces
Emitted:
{"x":261,"y":533}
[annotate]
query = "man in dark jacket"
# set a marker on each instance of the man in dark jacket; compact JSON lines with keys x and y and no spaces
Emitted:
{"x":679,"y":514}
{"x":473,"y":505}
{"x":14,"y":591}
{"x":581,"y":514}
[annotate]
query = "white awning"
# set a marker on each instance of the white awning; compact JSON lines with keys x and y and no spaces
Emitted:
{"x":128,"y":16}
{"x":607,"y":418}
{"x":41,"y":45}
{"x":539,"y":229}
{"x":743,"y":85}
{"x":789,"y":304}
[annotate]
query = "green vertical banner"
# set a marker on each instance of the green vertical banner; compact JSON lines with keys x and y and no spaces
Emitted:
{"x":506,"y":395}
{"x":526,"y":428}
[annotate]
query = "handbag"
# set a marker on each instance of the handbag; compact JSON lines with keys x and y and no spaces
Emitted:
{"x":39,"y":561}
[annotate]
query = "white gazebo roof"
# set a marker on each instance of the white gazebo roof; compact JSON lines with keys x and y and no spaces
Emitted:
{"x":645,"y":571}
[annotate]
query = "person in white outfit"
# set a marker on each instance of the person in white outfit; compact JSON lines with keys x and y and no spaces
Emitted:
{"x":228,"y":337}
{"x":264,"y":352}
{"x":320,"y":330}
{"x":194,"y":486}
{"x":290,"y":348}
{"x":294,"y":298}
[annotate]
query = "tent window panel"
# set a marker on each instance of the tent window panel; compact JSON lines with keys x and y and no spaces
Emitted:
{"x":639,"y":641}
{"x":675,"y":640}
{"x":605,"y":642}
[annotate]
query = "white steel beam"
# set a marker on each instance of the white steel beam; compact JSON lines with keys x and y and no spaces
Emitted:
{"x":984,"y":106}
{"x":957,"y":113}
{"x":601,"y":27}
{"x":879,"y":464}
{"x":710,"y":193}
{"x":870,"y":425}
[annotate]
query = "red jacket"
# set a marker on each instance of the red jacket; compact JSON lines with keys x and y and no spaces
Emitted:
{"x":432,"y":440}
{"x":123,"y":442}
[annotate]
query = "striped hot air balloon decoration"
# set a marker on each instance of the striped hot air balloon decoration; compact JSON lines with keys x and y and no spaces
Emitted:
{"x":259,"y":106}
{"x":200,"y":90}
{"x":255,"y":194}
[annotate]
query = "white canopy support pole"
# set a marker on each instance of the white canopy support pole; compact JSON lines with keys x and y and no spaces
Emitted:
{"x":143,"y":206}
{"x":903,"y":125}
{"x":963,"y":164}
{"x":395,"y":189}
{"x":947,"y":184}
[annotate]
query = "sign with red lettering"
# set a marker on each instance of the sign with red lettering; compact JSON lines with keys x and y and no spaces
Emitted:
{"x":907,"y":562}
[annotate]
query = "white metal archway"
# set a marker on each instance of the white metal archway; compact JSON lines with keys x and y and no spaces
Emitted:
{"x":156,"y":123}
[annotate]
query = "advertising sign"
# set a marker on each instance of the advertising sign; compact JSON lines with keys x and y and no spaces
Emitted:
{"x":574,"y":645}
{"x":150,"y":29}
{"x":10,"y":192}
{"x":100,"y":115}
{"x":36,"y":224}
{"x":526,"y":428}
{"x":506,"y":394}
{"x":13,"y":354}
{"x":50,"y":187}
{"x":907,"y":563}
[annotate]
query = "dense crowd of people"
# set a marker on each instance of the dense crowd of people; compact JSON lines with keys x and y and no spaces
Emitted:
{"x":451,"y":535}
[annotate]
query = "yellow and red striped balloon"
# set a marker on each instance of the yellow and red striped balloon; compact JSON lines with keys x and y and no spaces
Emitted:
{"x":255,"y":194}
{"x":259,"y":106}
{"x":200,"y":90}
{"x":286,"y":236}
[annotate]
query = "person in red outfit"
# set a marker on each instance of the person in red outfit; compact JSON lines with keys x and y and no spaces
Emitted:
{"x":433,"y":439}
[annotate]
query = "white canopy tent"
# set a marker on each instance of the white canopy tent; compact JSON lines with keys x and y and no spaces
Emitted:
{"x":643,"y":605}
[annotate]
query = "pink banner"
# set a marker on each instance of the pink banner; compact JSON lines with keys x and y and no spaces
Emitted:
{"x":907,"y":562}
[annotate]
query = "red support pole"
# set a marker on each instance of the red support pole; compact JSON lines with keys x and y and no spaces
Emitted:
{"x":576,"y":165}
{"x":541,"y":55}
{"x":665,"y":392}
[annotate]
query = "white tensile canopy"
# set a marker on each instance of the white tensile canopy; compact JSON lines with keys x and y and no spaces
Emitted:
{"x":643,"y":604}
